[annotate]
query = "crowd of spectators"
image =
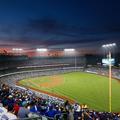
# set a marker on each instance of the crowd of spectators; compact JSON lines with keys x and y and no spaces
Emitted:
{"x":18,"y":104}
{"x":8,"y":64}
{"x":15,"y":76}
{"x":12,"y":78}
{"x":104,"y":71}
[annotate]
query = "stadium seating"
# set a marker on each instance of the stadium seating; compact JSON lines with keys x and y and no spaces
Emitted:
{"x":14,"y":99}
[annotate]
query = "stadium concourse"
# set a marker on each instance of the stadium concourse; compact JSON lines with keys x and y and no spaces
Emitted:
{"x":20,"y":103}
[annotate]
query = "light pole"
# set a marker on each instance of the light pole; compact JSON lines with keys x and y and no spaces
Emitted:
{"x":109,"y":47}
{"x":71,"y":52}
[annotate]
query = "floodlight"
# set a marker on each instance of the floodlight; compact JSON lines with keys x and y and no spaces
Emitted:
{"x":20,"y":49}
{"x":69,"y":50}
{"x":103,"y":45}
{"x":109,"y":45}
{"x":114,"y":44}
{"x":17,"y":49}
{"x":41,"y":50}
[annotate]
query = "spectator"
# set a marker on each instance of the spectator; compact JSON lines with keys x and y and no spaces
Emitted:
{"x":51,"y":112}
{"x":2,"y":110}
{"x":16,"y":101}
{"x":71,"y":115}
{"x":23,"y":111}
{"x":16,"y":108}
{"x":9,"y":115}
{"x":77,"y":111}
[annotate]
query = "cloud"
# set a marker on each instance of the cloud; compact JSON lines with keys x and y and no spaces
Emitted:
{"x":52,"y":26}
{"x":52,"y":32}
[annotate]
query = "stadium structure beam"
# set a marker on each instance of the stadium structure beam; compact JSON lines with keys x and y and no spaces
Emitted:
{"x":109,"y":47}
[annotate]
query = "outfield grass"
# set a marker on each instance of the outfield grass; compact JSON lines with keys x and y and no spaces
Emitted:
{"x":82,"y":87}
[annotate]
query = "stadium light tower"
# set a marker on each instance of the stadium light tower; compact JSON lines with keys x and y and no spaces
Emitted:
{"x":17,"y":50}
{"x":42,"y":51}
{"x":71,"y":51}
{"x":109,"y":47}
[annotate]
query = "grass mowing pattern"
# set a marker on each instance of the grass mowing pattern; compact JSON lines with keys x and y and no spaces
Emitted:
{"x":85,"y":88}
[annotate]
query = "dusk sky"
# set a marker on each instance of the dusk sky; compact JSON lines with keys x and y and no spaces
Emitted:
{"x":31,"y":24}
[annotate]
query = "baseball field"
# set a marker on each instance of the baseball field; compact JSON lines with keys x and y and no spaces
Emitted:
{"x":81,"y":87}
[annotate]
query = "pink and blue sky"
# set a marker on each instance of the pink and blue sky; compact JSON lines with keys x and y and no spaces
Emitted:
{"x":54,"y":24}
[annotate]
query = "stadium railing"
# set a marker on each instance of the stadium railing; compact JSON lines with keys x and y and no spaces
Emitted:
{"x":57,"y":117}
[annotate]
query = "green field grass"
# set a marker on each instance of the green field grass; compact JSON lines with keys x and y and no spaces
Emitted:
{"x":84,"y":88}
